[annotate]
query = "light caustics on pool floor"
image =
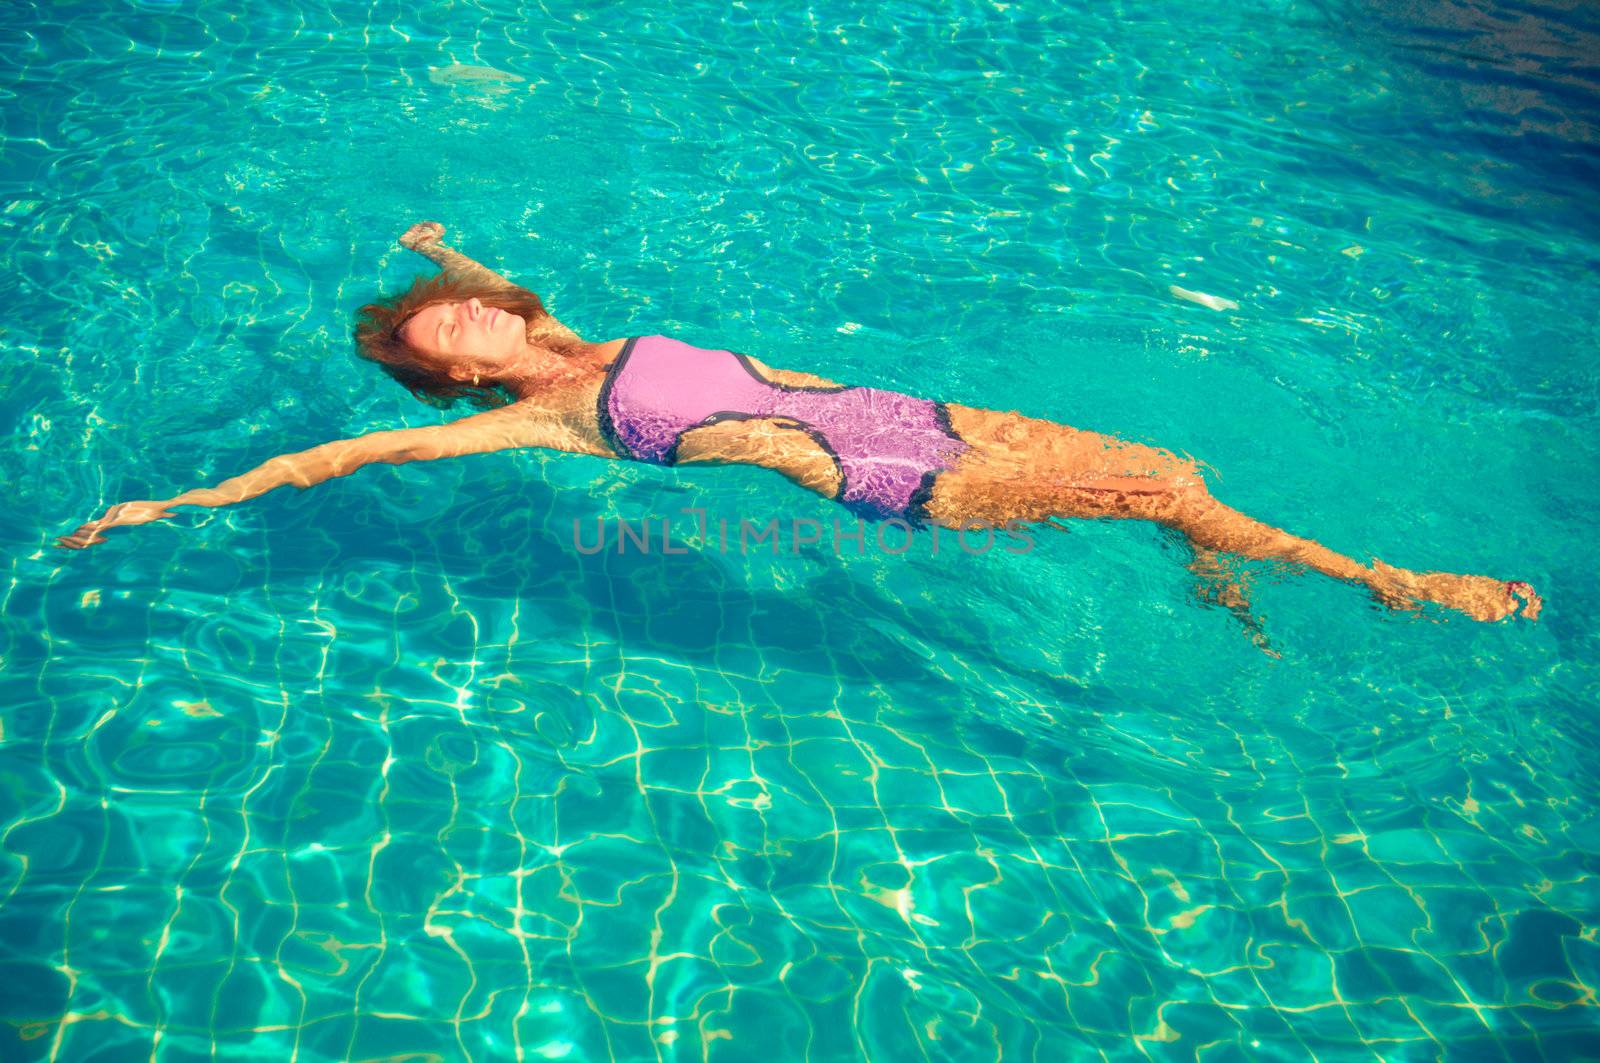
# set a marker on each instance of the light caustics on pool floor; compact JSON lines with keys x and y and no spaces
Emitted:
{"x":679,"y":828}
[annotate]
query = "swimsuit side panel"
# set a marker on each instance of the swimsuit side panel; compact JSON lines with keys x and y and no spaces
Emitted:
{"x":888,"y":446}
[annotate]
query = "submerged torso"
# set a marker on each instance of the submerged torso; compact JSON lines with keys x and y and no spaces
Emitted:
{"x":1010,"y":464}
{"x":886,"y":447}
{"x":575,"y":401}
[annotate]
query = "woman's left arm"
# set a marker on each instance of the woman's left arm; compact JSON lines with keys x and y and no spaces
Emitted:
{"x":427,"y":238}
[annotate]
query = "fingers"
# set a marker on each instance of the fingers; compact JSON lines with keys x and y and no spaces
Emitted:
{"x":421,"y":234}
{"x":140,"y":511}
{"x":81,"y":539}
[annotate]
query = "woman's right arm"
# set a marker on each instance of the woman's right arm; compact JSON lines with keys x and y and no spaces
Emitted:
{"x":306,"y":468}
{"x":505,"y":428}
{"x":426,"y":238}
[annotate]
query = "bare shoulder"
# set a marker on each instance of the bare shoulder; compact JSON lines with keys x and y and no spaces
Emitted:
{"x":559,"y":419}
{"x":527,"y":423}
{"x":503,"y":427}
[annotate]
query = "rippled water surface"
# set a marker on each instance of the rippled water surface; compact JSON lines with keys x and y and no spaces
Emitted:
{"x":390,"y":769}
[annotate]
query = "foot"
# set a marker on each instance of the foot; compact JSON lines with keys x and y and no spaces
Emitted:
{"x":1480,"y":597}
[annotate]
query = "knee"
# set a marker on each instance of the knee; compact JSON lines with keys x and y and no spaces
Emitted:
{"x":1185,"y":472}
{"x":1184,"y":482}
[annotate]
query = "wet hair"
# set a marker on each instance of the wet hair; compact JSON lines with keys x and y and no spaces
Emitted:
{"x":378,"y":336}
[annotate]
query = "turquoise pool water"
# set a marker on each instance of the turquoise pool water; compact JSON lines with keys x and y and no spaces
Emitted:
{"x":389,"y":769}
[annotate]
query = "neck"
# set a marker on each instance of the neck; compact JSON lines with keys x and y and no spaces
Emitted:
{"x":553,"y":357}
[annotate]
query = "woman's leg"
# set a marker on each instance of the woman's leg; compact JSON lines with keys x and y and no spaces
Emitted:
{"x":1025,"y":469}
{"x":1210,"y":525}
{"x":1217,"y":583}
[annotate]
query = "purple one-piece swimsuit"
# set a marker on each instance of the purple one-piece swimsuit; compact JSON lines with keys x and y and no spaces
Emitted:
{"x":888,"y":447}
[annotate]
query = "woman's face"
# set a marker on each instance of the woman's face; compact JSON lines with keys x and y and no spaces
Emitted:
{"x":468,"y":334}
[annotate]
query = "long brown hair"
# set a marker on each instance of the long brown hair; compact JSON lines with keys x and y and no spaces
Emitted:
{"x":378,"y":338}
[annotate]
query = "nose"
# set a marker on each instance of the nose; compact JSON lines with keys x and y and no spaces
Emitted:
{"x":475,"y":306}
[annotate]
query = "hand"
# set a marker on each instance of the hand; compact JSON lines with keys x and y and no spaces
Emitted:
{"x":142,"y":512}
{"x":421,"y":235}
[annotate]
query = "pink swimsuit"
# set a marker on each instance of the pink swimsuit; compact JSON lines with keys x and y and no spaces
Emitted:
{"x":888,"y":447}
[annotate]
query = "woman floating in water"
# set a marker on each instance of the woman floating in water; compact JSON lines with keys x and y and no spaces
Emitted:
{"x":468,"y":333}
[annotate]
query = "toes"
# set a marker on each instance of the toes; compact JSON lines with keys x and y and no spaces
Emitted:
{"x":1523,"y":594}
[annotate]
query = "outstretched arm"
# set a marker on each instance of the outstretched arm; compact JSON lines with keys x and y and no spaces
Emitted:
{"x":499,"y":429}
{"x":427,"y":238}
